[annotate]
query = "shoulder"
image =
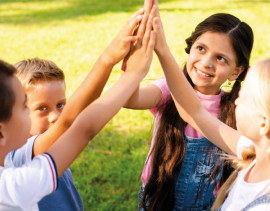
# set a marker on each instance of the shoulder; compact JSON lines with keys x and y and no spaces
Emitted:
{"x":23,"y":187}
{"x":161,"y":83}
{"x":22,"y":155}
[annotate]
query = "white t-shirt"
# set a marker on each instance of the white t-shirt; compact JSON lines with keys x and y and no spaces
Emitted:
{"x":22,"y":188}
{"x":243,"y":142}
{"x":243,"y":193}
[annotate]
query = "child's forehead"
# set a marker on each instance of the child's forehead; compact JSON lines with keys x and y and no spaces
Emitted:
{"x":44,"y":84}
{"x":48,"y":91}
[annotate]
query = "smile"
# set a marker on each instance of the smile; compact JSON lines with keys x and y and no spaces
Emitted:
{"x":202,"y":74}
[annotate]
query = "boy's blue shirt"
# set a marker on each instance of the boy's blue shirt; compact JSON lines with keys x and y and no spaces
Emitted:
{"x":65,"y":198}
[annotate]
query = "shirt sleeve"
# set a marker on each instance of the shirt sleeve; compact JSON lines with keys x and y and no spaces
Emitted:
{"x":243,"y":142}
{"x":21,"y":156}
{"x":161,"y":83}
{"x":24,"y":187}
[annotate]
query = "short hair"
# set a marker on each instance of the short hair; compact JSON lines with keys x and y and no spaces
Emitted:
{"x":34,"y":70}
{"x":7,"y":95}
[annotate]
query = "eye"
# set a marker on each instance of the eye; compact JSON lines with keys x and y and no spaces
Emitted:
{"x":221,"y":59}
{"x":200,"y":48}
{"x":42,"y":108}
{"x":60,"y":105}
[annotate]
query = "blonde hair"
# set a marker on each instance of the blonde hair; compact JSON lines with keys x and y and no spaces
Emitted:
{"x":34,"y":70}
{"x":259,"y":76}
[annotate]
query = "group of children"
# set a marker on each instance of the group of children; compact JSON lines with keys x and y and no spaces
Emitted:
{"x":195,"y":120}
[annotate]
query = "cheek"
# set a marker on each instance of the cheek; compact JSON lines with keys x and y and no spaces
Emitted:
{"x":39,"y":124}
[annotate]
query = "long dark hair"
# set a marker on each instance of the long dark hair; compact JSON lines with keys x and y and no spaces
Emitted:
{"x":169,"y":148}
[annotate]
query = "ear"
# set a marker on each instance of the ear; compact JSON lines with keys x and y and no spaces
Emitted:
{"x":2,"y":138}
{"x":264,"y":126}
{"x":236,"y":73}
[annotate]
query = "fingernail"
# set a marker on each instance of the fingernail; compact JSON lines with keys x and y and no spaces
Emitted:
{"x":139,"y":17}
{"x":141,"y":10}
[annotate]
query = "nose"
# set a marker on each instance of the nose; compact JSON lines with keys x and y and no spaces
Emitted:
{"x":53,"y":117}
{"x":207,"y":61}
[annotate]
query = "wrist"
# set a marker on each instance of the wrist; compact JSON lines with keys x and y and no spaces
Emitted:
{"x":162,"y":50}
{"x":136,"y":76}
{"x":106,"y":60}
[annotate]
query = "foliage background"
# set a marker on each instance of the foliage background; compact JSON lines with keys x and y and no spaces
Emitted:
{"x":73,"y":33}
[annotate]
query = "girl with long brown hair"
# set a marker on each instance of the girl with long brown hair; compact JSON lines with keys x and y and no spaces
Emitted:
{"x":183,"y":168}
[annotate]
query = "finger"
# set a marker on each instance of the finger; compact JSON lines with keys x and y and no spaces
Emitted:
{"x":155,"y":3}
{"x":132,"y":25}
{"x":152,"y":14}
{"x":139,"y":12}
{"x":147,"y":6}
{"x":147,"y":34}
{"x":142,"y":26}
{"x":129,"y":39}
{"x":151,"y":43}
{"x":156,"y":25}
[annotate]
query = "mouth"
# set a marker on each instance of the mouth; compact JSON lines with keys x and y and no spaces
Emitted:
{"x":202,"y":74}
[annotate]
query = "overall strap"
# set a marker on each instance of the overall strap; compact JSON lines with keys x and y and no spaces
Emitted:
{"x":264,"y":199}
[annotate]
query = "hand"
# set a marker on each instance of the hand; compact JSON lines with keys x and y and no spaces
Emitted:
{"x":120,"y":45}
{"x":161,"y":42}
{"x":141,"y":54}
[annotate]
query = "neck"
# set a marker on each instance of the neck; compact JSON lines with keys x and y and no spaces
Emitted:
{"x":207,"y":91}
{"x":261,"y":169}
{"x":2,"y":159}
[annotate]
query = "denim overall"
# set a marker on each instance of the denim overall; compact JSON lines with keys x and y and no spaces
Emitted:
{"x":193,"y":188}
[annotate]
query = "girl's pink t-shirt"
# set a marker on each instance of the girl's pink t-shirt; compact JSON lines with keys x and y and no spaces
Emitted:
{"x":210,"y":102}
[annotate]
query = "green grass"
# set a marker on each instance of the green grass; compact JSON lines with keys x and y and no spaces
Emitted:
{"x":73,"y":33}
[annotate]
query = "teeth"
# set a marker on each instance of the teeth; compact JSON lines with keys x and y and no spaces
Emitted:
{"x":203,"y":74}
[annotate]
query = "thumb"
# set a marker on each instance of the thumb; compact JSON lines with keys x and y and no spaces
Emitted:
{"x":128,"y":40}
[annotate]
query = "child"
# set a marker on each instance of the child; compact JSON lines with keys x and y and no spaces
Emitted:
{"x":44,"y":85}
{"x":250,"y":190}
{"x":183,"y":167}
{"x":15,"y":182}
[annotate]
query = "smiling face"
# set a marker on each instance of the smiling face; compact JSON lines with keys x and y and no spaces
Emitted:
{"x":212,"y":60}
{"x":46,"y":100}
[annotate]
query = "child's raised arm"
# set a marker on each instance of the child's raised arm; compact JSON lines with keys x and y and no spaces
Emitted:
{"x":93,"y":84}
{"x":145,"y":97}
{"x":188,"y":104}
{"x":95,"y":116}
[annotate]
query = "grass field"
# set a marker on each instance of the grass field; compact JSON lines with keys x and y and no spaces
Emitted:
{"x":73,"y":33}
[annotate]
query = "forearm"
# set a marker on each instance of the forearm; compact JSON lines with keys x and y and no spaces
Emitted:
{"x":91,"y":120}
{"x":88,"y":91}
{"x":131,"y":102}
